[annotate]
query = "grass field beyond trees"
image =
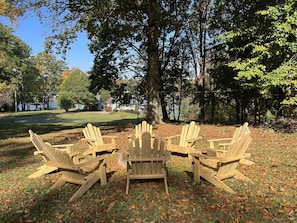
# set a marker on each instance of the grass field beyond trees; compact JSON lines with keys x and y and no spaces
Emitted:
{"x":270,"y":198}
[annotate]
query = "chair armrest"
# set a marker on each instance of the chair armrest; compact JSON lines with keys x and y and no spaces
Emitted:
{"x":195,"y":139}
{"x":217,"y":140}
{"x":171,"y":137}
{"x":133,"y":135}
{"x":224,"y":144}
{"x":199,"y":155}
{"x":63,"y":145}
{"x":73,"y":154}
{"x":93,"y":160}
{"x":229,"y":160}
{"x":109,"y":137}
{"x":191,"y":142}
{"x":76,"y":166}
{"x":212,"y":141}
{"x":59,"y":165}
{"x":92,"y":141}
{"x":37,"y":153}
{"x":216,"y":152}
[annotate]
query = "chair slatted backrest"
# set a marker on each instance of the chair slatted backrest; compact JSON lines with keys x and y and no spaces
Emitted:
{"x":62,"y":159}
{"x":189,"y":131}
{"x":37,"y":142}
{"x":93,"y":133}
{"x":240,"y":131}
{"x":141,"y":128}
{"x":146,"y":160}
{"x":236,"y":149}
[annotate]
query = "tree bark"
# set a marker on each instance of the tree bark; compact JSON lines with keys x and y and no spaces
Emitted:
{"x":163,"y":106}
{"x":203,"y":10}
{"x":152,"y":9}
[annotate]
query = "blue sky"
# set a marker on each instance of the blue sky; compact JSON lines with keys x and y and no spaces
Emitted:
{"x":33,"y":33}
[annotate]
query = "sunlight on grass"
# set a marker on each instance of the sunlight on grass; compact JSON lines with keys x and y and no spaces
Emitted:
{"x":97,"y":116}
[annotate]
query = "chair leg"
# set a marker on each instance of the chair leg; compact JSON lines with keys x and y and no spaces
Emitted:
{"x":59,"y":183}
{"x":165,"y":182}
{"x":218,"y":183}
{"x":84,"y":188}
{"x":127,"y":186}
{"x":196,"y":170}
{"x":103,"y":179}
{"x":240,"y":176}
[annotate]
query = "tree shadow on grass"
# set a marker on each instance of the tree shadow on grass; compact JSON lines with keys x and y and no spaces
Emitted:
{"x":15,"y":157}
{"x":51,"y":205}
{"x":8,"y":130}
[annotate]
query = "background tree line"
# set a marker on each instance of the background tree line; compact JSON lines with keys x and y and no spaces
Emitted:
{"x":228,"y":59}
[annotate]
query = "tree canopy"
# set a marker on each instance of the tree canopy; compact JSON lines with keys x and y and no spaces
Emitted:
{"x":272,"y":52}
{"x":241,"y":53}
{"x":74,"y":90}
{"x":118,"y":28}
{"x":12,"y":52}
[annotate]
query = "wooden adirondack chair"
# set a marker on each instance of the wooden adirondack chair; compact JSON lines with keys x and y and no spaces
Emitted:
{"x":216,"y":169}
{"x":224,"y":143}
{"x":147,"y":162}
{"x":96,"y":141}
{"x":86,"y":173}
{"x":39,"y":145}
{"x":139,"y":129}
{"x":187,"y":139}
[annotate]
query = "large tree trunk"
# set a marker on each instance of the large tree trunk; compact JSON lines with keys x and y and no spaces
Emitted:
{"x":163,"y":107}
{"x":153,"y":73}
{"x":203,"y":10}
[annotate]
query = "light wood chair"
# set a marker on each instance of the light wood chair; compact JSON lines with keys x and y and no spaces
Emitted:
{"x":97,"y":142}
{"x":220,"y":146}
{"x":216,"y":169}
{"x":148,"y":161}
{"x":185,"y":141}
{"x":39,"y":144}
{"x":86,"y":173}
{"x":139,"y":129}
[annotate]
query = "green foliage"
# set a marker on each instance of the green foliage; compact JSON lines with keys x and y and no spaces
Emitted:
{"x":119,"y":93}
{"x":65,"y":101}
{"x":50,"y":72}
{"x":104,"y":95}
{"x":6,"y":95}
{"x":12,"y":9}
{"x":17,"y":68}
{"x":12,"y":51}
{"x":189,"y":109}
{"x":271,"y":58}
{"x":75,"y":90}
{"x":255,"y":54}
{"x":269,"y":115}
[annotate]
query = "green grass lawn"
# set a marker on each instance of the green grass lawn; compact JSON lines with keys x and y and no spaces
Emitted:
{"x":18,"y":124}
{"x":270,"y":198}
